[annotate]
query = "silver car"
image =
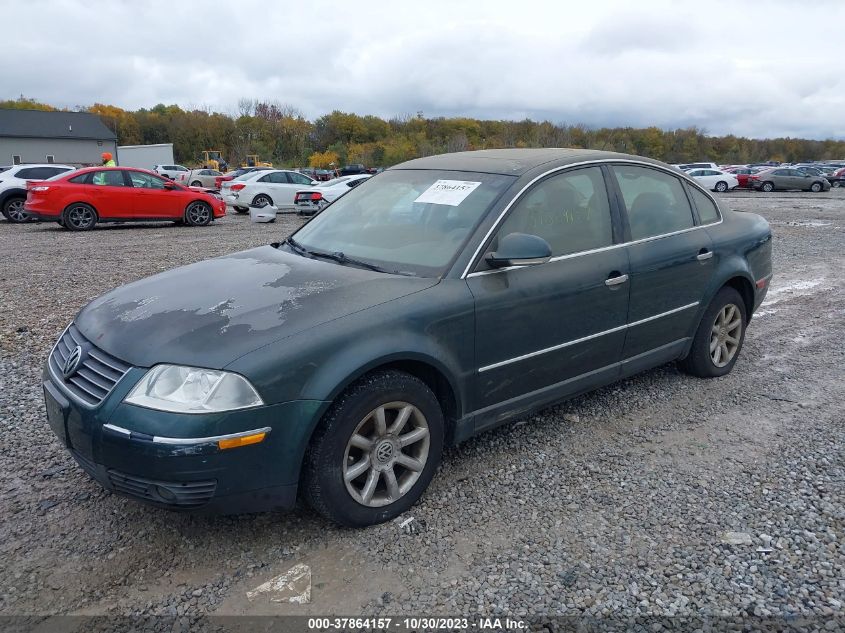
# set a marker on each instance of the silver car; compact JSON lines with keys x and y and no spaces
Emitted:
{"x":202,"y":178}
{"x":786,"y":178}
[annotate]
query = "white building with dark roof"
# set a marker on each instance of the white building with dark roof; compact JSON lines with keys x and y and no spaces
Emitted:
{"x":35,"y":136}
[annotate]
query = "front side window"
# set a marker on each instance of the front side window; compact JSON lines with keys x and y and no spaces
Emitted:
{"x":141,"y":180}
{"x":655,"y":201}
{"x":569,"y":210}
{"x":409,"y":220}
{"x":298,"y":179}
{"x":707,"y":211}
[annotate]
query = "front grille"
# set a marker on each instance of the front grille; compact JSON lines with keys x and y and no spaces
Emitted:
{"x":98,"y":372}
{"x":188,"y":494}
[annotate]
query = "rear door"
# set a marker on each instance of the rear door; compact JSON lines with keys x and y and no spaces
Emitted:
{"x":671,"y":263}
{"x":541,"y":331}
{"x":111,"y":194}
{"x":151,"y":198}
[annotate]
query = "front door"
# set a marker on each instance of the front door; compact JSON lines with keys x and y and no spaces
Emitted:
{"x":671,"y":262}
{"x":542,"y":331}
{"x":153,"y":199}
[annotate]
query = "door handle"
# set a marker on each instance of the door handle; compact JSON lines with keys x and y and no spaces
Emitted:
{"x":615,"y":281}
{"x":704,"y":254}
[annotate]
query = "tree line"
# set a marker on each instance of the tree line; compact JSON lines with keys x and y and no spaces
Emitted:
{"x":282,"y":135}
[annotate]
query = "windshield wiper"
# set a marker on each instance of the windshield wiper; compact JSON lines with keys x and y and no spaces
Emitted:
{"x":341,"y":258}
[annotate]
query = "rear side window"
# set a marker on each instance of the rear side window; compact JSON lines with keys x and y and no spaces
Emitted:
{"x":569,"y":210}
{"x":36,"y":173}
{"x":707,"y":211}
{"x":655,"y":201}
{"x":81,"y":179}
{"x":274,"y":177}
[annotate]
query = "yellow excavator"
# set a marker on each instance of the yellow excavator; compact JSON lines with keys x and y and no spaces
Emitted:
{"x":252,"y":161}
{"x":213,"y":159}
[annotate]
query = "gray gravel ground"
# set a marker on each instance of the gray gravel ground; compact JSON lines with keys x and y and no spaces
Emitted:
{"x":662,"y":495}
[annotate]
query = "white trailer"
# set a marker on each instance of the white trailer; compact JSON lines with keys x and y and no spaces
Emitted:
{"x":144,"y":156}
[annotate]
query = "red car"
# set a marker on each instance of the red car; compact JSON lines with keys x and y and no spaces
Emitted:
{"x":743,"y":175}
{"x":80,"y":199}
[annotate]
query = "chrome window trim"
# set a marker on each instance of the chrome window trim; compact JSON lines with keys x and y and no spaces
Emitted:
{"x":683,"y":176}
{"x":554,"y":348}
{"x":183,"y":441}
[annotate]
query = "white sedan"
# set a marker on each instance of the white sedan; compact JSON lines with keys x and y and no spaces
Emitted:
{"x":309,"y":201}
{"x":268,"y":187}
{"x":714,"y":179}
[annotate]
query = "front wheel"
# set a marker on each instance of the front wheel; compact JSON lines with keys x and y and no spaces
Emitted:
{"x":376,"y":450}
{"x":196,"y":183}
{"x":721,"y":186}
{"x":719,"y":337}
{"x":13,"y":210}
{"x":79,"y":217}
{"x":836,"y":184}
{"x":198,"y":214}
{"x":816,"y":187}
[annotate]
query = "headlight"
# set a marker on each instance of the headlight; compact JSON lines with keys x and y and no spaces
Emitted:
{"x":193,"y":390}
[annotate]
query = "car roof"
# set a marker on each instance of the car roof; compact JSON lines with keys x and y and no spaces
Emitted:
{"x":513,"y":162}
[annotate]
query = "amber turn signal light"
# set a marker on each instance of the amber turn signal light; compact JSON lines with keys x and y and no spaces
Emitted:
{"x":246,"y":440}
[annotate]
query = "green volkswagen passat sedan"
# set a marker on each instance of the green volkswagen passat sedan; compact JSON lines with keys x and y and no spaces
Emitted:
{"x":439,"y":299}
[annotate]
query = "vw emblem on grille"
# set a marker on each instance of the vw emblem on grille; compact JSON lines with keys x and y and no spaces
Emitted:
{"x":72,"y":362}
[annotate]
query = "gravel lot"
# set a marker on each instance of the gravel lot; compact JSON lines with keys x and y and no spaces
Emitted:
{"x":663,"y":495}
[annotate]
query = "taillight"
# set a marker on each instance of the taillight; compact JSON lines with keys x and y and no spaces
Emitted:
{"x":754,"y":177}
{"x":237,"y":187}
{"x":317,"y":196}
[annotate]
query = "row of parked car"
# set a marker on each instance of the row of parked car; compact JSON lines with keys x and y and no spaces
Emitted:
{"x":79,"y":199}
{"x":768,"y":176}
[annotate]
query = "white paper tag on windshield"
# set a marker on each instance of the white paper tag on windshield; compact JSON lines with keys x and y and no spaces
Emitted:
{"x":451,"y":192}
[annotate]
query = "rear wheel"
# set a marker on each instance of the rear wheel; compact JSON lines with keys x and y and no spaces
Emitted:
{"x":376,"y":450}
{"x":721,"y":186}
{"x":198,"y":214}
{"x":836,"y":183}
{"x":13,"y":210}
{"x":816,"y":187}
{"x":768,"y":186}
{"x":79,"y":217}
{"x":261,"y":200}
{"x":196,"y":183}
{"x":719,"y":337}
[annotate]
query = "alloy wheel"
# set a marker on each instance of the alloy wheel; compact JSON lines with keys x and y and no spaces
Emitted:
{"x":386,"y":454}
{"x":80,"y":217}
{"x":725,"y":335}
{"x":198,"y":213}
{"x":15,"y":211}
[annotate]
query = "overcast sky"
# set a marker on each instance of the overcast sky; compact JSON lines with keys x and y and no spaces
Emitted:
{"x":764,"y":68}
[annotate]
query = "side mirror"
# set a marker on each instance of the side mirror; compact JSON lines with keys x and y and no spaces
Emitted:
{"x":170,"y":185}
{"x":520,"y":249}
{"x":314,"y":183}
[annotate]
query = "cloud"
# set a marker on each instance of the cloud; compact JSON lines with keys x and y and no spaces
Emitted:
{"x":727,"y":67}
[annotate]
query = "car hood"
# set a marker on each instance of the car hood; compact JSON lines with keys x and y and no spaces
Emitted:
{"x":210,"y":313}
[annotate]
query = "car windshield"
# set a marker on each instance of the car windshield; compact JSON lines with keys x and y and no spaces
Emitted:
{"x":406,"y":220}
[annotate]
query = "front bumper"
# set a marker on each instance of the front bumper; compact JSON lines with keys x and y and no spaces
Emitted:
{"x":121,"y":447}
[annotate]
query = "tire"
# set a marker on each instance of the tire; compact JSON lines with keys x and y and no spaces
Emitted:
{"x":261,"y":200}
{"x":836,"y":184}
{"x":13,"y":210}
{"x":816,"y":187}
{"x":196,"y":183}
{"x":721,"y":186}
{"x":79,"y":217}
{"x":198,"y":214}
{"x":330,"y":484}
{"x":722,"y":313}
{"x":768,"y":186}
